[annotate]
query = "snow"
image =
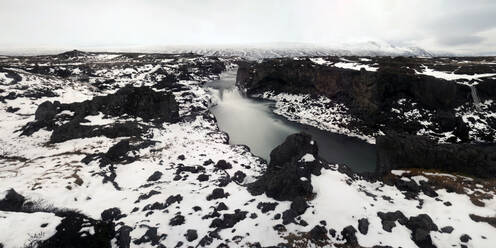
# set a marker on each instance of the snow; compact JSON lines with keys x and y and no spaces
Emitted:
{"x":354,"y":66}
{"x":97,"y":120}
{"x":452,"y":76}
{"x":322,"y":113}
{"x":307,"y":158}
{"x":319,"y":61}
{"x":399,"y":172}
{"x":20,"y":229}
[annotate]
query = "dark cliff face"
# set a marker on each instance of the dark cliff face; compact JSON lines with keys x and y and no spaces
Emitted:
{"x":368,"y":92}
{"x":397,"y":151}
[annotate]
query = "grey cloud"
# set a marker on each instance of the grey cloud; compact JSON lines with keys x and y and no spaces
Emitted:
{"x":460,"y":40}
{"x":441,"y":24}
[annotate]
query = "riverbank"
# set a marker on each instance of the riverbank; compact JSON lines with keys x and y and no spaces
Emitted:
{"x":259,"y":124}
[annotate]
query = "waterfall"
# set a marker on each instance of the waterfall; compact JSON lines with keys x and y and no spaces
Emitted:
{"x":475,"y":97}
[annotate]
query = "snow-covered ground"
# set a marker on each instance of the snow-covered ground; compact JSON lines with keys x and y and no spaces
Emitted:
{"x":176,"y":194}
{"x":320,"y":112}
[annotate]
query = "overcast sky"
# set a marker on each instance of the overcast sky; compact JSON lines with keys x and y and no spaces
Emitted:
{"x":449,"y":25}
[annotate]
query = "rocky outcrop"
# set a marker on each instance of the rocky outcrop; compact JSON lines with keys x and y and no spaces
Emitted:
{"x":129,"y":101}
{"x":289,"y":172}
{"x":368,"y":92}
{"x":486,"y":89}
{"x":12,"y":201}
{"x":396,"y":151}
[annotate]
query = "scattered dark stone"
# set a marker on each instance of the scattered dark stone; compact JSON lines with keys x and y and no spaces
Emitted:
{"x":421,"y":225}
{"x":363,"y":225}
{"x":299,"y":205}
{"x":177,"y":220}
{"x":253,"y":216}
{"x":181,"y":157}
{"x":223,"y":165}
{"x":239,"y":177}
{"x":318,"y":233}
{"x":197,"y":208}
{"x":229,"y":220}
{"x":447,"y":229}
{"x":192,"y":169}
{"x":112,"y":214}
{"x":349,"y":234}
{"x":423,"y":221}
{"x":489,"y":220}
{"x":280,"y":228}
{"x":289,"y":216}
{"x":332,"y":232}
{"x":191,"y":235}
{"x":277,"y":216}
{"x":221,"y":207}
{"x":323,"y":222}
{"x":173,"y":199}
{"x":12,"y":201}
{"x":12,"y":110}
{"x":388,"y":219}
{"x":208,"y":162}
{"x":44,"y":225}
{"x":267,"y":206}
{"x":217,"y":193}
{"x":146,"y":196}
{"x":447,"y":203}
{"x":203,"y":177}
{"x":155,"y":176}
{"x":223,"y":181}
{"x":465,"y":238}
{"x":150,"y":236}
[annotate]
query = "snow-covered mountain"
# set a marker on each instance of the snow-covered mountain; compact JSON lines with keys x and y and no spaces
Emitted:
{"x":274,"y":50}
{"x":256,"y":51}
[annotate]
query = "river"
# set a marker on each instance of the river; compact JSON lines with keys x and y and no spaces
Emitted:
{"x":252,"y":122}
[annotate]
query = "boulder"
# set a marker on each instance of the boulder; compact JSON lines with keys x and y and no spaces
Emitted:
{"x":12,"y":201}
{"x":191,"y":235}
{"x":363,"y":226}
{"x":283,"y":178}
{"x":46,"y":111}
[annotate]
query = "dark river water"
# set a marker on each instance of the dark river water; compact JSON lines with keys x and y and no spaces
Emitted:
{"x":251,"y":122}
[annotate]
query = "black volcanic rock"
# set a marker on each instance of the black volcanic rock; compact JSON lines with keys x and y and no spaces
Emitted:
{"x":368,"y":91}
{"x":46,"y":111}
{"x":12,"y":201}
{"x":349,"y":234}
{"x":134,"y":101}
{"x":155,"y":176}
{"x":282,"y":180}
{"x":363,"y":225}
{"x":421,"y":225}
{"x":396,"y":151}
{"x":140,"y":102}
{"x":71,"y":232}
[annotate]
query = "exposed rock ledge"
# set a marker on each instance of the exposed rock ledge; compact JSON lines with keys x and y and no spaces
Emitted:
{"x":396,"y":151}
